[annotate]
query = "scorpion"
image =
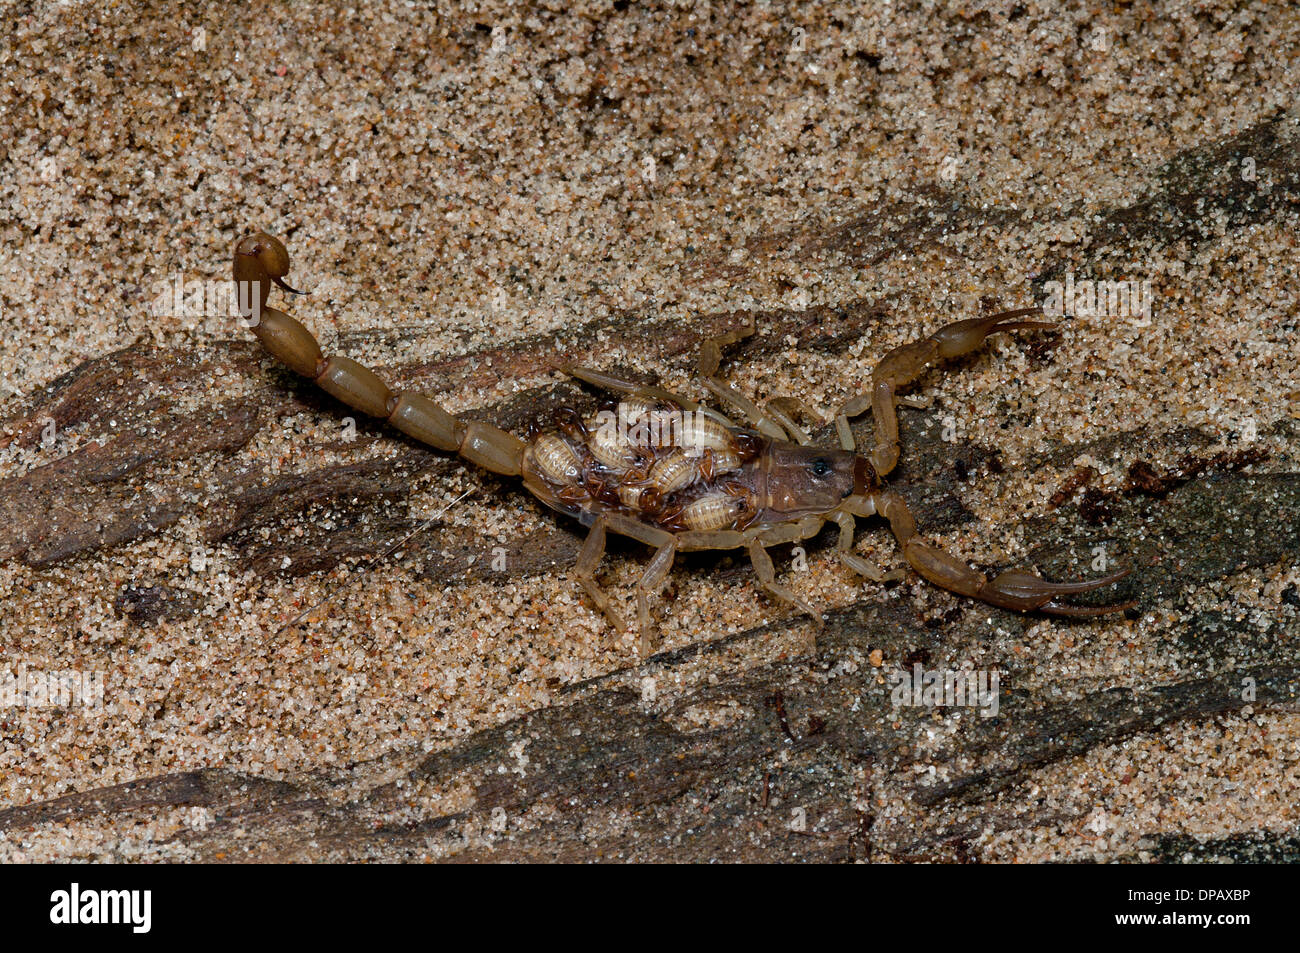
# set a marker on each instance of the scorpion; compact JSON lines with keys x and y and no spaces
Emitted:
{"x":679,"y":475}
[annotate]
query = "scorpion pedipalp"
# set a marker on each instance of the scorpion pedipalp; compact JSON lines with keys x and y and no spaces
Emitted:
{"x":1018,"y":589}
{"x":904,"y":364}
{"x":1014,"y":589}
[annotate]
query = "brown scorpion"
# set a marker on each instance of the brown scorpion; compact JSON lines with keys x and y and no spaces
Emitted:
{"x":676,"y":474}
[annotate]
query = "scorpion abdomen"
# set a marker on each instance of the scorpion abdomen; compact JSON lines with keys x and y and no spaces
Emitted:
{"x":646,"y":459}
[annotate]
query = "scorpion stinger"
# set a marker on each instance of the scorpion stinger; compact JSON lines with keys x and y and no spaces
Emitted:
{"x":678,"y":475}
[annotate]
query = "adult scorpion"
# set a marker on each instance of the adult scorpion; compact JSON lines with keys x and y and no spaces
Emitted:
{"x":676,"y":474}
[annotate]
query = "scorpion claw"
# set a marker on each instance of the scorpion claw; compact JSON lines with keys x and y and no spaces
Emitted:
{"x":1081,"y":612}
{"x":1018,"y":589}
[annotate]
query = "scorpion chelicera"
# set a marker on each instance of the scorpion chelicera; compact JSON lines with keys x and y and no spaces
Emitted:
{"x":676,"y":474}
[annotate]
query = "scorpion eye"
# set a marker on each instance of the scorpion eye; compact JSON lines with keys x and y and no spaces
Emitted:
{"x":820,"y":467}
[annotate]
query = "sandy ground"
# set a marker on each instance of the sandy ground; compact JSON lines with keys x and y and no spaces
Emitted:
{"x":449,"y":181}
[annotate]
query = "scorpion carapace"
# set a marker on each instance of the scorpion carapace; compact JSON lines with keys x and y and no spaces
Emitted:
{"x":679,"y":475}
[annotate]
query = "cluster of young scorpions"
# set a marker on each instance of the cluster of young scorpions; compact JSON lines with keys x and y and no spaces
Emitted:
{"x":676,"y":474}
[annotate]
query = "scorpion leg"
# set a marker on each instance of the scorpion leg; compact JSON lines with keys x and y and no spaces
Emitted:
{"x":904,"y":364}
{"x":711,"y":348}
{"x":651,"y":581}
{"x":747,"y":408}
{"x":844,"y":433}
{"x":848,"y":526}
{"x":762,"y":563}
{"x":1013,"y":589}
{"x":585,"y":569}
{"x":776,"y":408}
{"x":650,"y":391}
{"x":706,"y":367}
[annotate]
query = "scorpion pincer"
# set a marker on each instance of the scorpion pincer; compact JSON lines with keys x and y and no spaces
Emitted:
{"x":678,"y":475}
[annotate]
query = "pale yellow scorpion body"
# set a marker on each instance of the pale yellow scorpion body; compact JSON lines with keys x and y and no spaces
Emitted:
{"x":678,"y":475}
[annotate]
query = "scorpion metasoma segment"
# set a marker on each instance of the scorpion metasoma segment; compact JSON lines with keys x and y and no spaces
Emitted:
{"x":676,"y":474}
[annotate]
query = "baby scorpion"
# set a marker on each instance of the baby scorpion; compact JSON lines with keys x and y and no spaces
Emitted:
{"x":678,"y":475}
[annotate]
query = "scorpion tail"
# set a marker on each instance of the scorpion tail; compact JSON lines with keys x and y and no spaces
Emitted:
{"x":262,"y":260}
